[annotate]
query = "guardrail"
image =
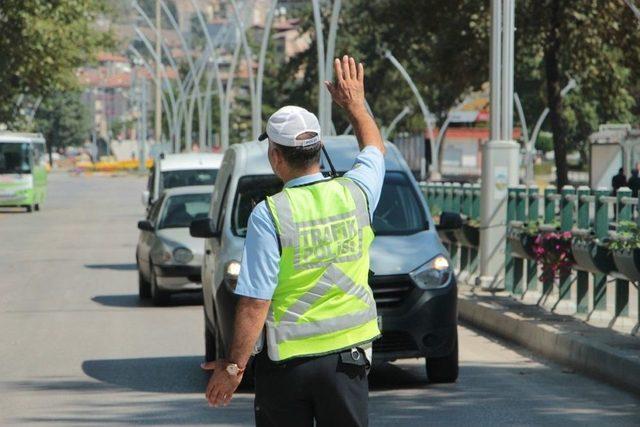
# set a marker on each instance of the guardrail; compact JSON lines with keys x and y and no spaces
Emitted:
{"x":463,"y":243}
{"x":575,"y":252}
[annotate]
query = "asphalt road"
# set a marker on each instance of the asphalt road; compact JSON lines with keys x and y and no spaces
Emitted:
{"x":77,"y":348}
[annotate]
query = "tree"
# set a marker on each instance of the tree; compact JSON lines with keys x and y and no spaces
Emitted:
{"x":590,"y":41}
{"x":434,"y":40}
{"x":63,"y":120}
{"x":42,"y":42}
{"x":444,"y":47}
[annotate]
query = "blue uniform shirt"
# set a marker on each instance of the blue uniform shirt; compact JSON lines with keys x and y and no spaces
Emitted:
{"x":261,"y":256}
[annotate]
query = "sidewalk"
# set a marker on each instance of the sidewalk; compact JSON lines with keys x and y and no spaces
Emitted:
{"x":598,"y":352}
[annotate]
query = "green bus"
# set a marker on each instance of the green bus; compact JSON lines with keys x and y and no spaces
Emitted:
{"x":23,"y":170}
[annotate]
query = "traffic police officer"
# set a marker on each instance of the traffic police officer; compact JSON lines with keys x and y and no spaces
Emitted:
{"x":304,"y":274}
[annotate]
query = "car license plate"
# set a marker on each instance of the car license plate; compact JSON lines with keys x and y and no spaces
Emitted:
{"x":380,"y":322}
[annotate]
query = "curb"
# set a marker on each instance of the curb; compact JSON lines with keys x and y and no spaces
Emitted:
{"x":591,"y":358}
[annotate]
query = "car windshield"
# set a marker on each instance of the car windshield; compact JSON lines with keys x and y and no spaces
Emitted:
{"x":14,"y":158}
{"x":181,"y":209}
{"x":184,"y":178}
{"x":399,"y":211}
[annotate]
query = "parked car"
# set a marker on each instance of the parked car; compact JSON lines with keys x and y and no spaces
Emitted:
{"x":168,"y":258}
{"x":180,"y":170}
{"x":413,"y":284}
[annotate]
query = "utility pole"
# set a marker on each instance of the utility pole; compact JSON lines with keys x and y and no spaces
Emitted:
{"x":500,"y":154}
{"x":143,"y":133}
{"x":158,"y":123}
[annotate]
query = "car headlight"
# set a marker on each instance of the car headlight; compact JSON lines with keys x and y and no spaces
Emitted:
{"x":433,"y":275}
{"x":182,"y":255}
{"x":231,"y":273}
{"x":166,"y":256}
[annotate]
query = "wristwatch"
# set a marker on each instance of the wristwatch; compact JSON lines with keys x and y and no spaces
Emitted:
{"x":234,"y":370}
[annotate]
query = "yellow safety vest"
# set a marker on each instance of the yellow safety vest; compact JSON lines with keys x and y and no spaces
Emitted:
{"x":322,"y":302}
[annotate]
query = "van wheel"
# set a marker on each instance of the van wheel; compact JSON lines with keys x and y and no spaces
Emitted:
{"x":158,"y":296}
{"x":144,"y":287}
{"x":36,"y":206}
{"x":444,"y":369}
{"x":210,"y":342}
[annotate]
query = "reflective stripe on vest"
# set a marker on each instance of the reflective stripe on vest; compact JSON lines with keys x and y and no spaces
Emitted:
{"x":337,"y":239}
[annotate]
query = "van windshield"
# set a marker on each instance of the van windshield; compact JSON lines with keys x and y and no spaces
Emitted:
{"x":251,"y":191}
{"x":399,"y":211}
{"x":180,"y":210}
{"x":14,"y":158}
{"x":183,"y":178}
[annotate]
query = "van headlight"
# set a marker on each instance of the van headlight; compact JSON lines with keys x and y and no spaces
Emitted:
{"x":434,"y":274}
{"x":231,"y":273}
{"x":182,"y":255}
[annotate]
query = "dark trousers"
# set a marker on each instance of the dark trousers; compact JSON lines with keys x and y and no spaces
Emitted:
{"x":333,"y":390}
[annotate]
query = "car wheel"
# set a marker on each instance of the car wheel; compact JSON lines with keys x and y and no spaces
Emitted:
{"x":444,"y":369}
{"x":158,"y":296}
{"x":210,"y":341}
{"x":144,"y":287}
{"x":29,"y":208}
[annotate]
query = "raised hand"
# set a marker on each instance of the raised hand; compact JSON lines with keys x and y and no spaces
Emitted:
{"x":348,"y":89}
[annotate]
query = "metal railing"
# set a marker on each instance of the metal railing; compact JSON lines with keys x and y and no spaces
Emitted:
{"x":599,"y":285}
{"x":462,"y":244}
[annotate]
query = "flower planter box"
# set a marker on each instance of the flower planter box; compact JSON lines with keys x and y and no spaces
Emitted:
{"x":627,"y":262}
{"x":521,"y":244}
{"x":592,"y":256}
{"x":468,"y":236}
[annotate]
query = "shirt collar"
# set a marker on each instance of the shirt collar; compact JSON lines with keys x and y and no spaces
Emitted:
{"x":303,"y":180}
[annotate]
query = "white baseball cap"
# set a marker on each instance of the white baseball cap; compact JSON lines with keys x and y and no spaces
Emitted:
{"x":288,"y":123}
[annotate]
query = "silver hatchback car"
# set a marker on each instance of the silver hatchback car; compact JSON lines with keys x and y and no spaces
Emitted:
{"x":412,"y":281}
{"x":168,"y":258}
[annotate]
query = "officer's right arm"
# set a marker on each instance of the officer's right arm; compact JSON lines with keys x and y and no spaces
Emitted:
{"x":348,"y":92}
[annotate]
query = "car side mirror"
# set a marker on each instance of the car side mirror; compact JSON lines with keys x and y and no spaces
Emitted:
{"x":449,"y":221}
{"x":144,"y":198}
{"x":203,"y":228}
{"x":145,"y":225}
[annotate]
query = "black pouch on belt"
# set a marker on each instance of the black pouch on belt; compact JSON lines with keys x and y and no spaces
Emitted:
{"x":353,"y":356}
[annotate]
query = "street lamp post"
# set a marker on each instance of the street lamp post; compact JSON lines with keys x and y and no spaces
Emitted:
{"x":426,"y":116}
{"x":172,"y":116}
{"x":500,"y":154}
{"x":168,"y":105}
{"x":257,"y":83}
{"x":633,"y":8}
{"x":317,"y":19}
{"x":158,"y":112}
{"x":388,"y":130}
{"x":328,"y":65}
{"x":164,"y":76}
{"x":222,"y":93}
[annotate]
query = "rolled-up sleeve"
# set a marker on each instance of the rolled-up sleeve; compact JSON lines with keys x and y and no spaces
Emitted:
{"x":368,"y":172}
{"x":260,"y":258}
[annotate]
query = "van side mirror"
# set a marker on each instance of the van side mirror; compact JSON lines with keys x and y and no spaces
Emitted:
{"x":203,"y":228}
{"x":449,"y":221}
{"x":145,"y":225}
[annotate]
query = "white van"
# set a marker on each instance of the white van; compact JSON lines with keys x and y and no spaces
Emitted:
{"x":180,"y":170}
